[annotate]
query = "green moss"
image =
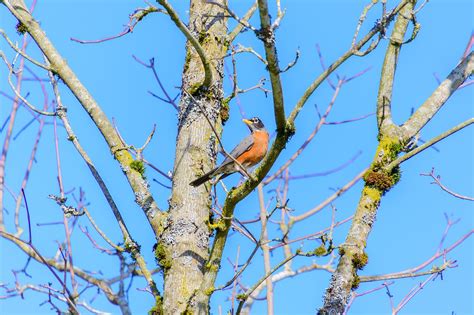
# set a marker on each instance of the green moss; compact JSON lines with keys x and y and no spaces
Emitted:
{"x":195,"y":89}
{"x":225,"y":110}
{"x":342,"y":251}
{"x":202,"y":37}
{"x":187,"y":312}
{"x":21,"y":28}
{"x":128,"y":246}
{"x":321,"y":250}
{"x":373,"y":193}
{"x":71,"y":138}
{"x":241,"y":296}
{"x":138,"y":166}
{"x":380,"y":180}
{"x":290,"y":129}
{"x":388,"y":148}
{"x":162,"y":257}
{"x":355,"y":282}
{"x":157,"y":309}
{"x":396,"y":174}
{"x":212,"y":267}
{"x":360,"y":260}
{"x":218,"y":225}
{"x":187,"y":60}
{"x":209,"y":291}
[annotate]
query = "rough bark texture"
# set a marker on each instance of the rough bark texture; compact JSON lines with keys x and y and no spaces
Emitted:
{"x":183,"y":250}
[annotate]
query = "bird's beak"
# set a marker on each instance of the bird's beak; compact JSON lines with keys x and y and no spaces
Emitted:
{"x":248,"y":122}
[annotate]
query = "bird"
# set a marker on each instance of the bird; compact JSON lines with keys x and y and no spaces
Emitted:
{"x":249,"y":152}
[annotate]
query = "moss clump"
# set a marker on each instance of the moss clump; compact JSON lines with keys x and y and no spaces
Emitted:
{"x":388,"y":148}
{"x":382,"y":180}
{"x":396,"y":174}
{"x":379,"y":180}
{"x":342,"y":251}
{"x":209,"y":291}
{"x":162,"y":257}
{"x":355,"y":282}
{"x":21,"y":28}
{"x":138,"y":166}
{"x":212,"y":267}
{"x":373,"y":193}
{"x":360,"y":260}
{"x":241,"y":296}
{"x":187,"y":60}
{"x":157,"y":309}
{"x":225,"y":110}
{"x":202,"y":36}
{"x":128,"y":246}
{"x":218,"y":225}
{"x":290,"y":129}
{"x":321,"y":251}
{"x":187,"y":312}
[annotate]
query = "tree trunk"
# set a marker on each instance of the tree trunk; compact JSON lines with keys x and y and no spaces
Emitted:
{"x":183,"y":250}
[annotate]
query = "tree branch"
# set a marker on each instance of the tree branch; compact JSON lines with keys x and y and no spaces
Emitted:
{"x":439,"y":97}
{"x":428,"y":144}
{"x":59,"y":66}
{"x":384,"y":97}
{"x":208,"y":80}
{"x":266,"y":34}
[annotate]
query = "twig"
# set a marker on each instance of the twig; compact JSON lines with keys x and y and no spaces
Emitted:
{"x":361,"y":20}
{"x":328,"y":201}
{"x":355,"y":295}
{"x":245,"y":296}
{"x":439,"y":97}
{"x":433,"y":270}
{"x":437,"y":181}
{"x":151,"y":65}
{"x":22,"y":53}
{"x":265,"y":249}
{"x":428,"y":144}
{"x":310,"y":137}
{"x":134,"y":18}
{"x":17,"y":93}
{"x":208,"y":77}
{"x":101,"y":233}
{"x":292,"y":63}
{"x":233,"y":34}
{"x":244,"y":22}
{"x":266,"y":34}
{"x":130,"y":243}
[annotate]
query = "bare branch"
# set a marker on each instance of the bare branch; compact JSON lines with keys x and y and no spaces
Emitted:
{"x":134,"y":18}
{"x":437,"y":181}
{"x":22,"y":53}
{"x":208,"y":80}
{"x":428,"y":144}
{"x":439,"y":97}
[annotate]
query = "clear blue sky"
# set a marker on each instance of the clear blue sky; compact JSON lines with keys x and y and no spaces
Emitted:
{"x":410,"y":221}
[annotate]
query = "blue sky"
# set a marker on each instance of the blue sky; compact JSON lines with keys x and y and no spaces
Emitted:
{"x":410,"y":221}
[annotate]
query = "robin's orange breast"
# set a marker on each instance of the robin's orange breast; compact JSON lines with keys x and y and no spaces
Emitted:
{"x":257,"y":151}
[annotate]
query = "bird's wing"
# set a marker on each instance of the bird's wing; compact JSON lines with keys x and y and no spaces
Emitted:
{"x":242,"y":147}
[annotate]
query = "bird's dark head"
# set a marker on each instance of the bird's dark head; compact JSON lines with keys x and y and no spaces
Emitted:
{"x":254,"y":124}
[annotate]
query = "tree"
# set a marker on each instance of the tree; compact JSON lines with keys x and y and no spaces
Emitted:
{"x":190,"y":234}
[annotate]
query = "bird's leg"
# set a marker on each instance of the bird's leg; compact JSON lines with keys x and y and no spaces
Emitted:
{"x":246,"y":174}
{"x":224,"y":187}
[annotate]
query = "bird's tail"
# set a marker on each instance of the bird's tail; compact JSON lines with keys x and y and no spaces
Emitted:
{"x":204,"y":178}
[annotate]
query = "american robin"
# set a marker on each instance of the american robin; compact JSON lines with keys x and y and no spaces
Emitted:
{"x":248,"y":152}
